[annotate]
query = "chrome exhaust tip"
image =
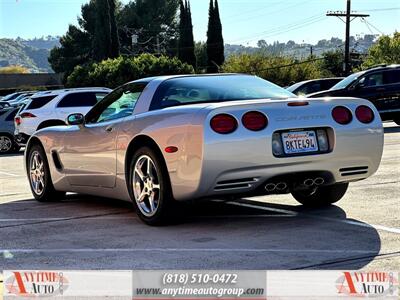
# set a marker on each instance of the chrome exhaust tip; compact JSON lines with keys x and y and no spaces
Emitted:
{"x":270,"y":187}
{"x":319,"y":181}
{"x":308,"y":182}
{"x":281,"y":186}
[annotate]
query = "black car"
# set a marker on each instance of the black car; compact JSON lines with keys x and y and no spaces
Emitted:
{"x":380,"y":85}
{"x":312,"y":86}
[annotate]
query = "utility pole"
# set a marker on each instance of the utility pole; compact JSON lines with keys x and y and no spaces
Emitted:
{"x":349,"y":16}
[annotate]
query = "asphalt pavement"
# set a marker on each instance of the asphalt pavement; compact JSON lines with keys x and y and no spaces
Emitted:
{"x":361,"y":232}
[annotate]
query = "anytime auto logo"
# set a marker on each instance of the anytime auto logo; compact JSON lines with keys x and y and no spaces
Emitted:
{"x":367,"y":284}
{"x":36,"y":283}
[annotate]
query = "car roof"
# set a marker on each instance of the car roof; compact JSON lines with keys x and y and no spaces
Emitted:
{"x":71,"y":90}
{"x":383,"y":67}
{"x":166,"y":77}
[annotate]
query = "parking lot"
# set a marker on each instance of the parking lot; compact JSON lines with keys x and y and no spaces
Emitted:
{"x":362,"y":231}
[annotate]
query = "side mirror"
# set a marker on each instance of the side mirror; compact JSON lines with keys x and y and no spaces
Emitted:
{"x":76,"y":119}
{"x":358,"y":86}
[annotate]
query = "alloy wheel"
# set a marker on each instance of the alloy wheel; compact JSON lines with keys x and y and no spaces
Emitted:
{"x":37,"y":173}
{"x":5,"y":144}
{"x":146,"y":185}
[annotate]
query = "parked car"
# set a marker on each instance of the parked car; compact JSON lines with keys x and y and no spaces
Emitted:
{"x":17,"y":101}
{"x":4,"y":104}
{"x":12,"y":96}
{"x":7,"y":142}
{"x":177,"y":138}
{"x":51,"y":108}
{"x":380,"y":85}
{"x":311,"y":86}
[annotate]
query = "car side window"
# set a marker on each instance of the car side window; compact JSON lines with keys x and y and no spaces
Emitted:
{"x":81,"y":99}
{"x":374,"y":79}
{"x":119,"y":104}
{"x":392,"y":77}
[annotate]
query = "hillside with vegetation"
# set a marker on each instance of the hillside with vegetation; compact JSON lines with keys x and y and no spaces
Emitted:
{"x":31,"y":54}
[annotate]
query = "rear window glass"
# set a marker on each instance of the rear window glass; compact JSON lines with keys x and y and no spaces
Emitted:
{"x":203,"y":89}
{"x":39,"y":102}
{"x":81,"y":99}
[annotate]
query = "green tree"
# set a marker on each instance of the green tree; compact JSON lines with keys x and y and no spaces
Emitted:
{"x":200,"y":51}
{"x":332,"y":63}
{"x":385,"y":51}
{"x":102,"y":34}
{"x":150,"y":20}
{"x":281,"y":70}
{"x":117,"y":71}
{"x":186,"y":46}
{"x":87,"y":42}
{"x":75,"y":49}
{"x":113,"y":29}
{"x":215,"y":41}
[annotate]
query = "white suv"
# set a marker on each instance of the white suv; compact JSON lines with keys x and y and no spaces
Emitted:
{"x":51,"y":108}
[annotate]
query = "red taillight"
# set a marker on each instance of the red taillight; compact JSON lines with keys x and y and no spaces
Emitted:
{"x":254,"y":121}
{"x":364,"y":114}
{"x":342,"y":115}
{"x":18,"y":120}
{"x":223,"y":123}
{"x":27,"y":115}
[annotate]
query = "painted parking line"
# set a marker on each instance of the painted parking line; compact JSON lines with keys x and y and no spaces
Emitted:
{"x":9,"y":174}
{"x":345,"y":221}
{"x":64,"y":219}
{"x":249,"y":250}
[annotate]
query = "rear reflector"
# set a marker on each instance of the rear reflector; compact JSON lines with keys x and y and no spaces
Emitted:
{"x":298,"y":103}
{"x":171,"y":149}
{"x":27,"y":115}
{"x":223,"y":123}
{"x":254,"y":121}
{"x":364,"y":114}
{"x":342,"y":115}
{"x":18,"y":120}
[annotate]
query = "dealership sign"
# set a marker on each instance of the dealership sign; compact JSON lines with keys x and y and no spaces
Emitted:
{"x":367,"y":283}
{"x":35,"y":283}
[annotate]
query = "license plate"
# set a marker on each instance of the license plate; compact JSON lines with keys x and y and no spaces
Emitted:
{"x":299,"y":142}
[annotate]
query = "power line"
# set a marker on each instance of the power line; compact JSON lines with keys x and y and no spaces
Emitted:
{"x":348,"y":14}
{"x":283,"y":28}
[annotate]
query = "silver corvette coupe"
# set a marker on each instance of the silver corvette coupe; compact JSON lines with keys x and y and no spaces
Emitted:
{"x":161,"y":140}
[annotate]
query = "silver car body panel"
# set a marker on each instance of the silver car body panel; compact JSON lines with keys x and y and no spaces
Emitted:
{"x":94,"y":160}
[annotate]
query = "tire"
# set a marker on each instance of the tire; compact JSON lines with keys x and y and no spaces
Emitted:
{"x":397,"y":121}
{"x":7,"y":144}
{"x":150,"y":191}
{"x":321,"y":196}
{"x":39,"y":176}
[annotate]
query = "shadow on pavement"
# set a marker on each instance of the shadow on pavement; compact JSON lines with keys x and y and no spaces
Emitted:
{"x":20,"y":153}
{"x":393,"y":129}
{"x":210,"y":235}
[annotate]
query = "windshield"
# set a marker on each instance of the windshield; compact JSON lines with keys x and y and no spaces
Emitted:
{"x":204,"y":89}
{"x":346,"y":82}
{"x":11,"y":96}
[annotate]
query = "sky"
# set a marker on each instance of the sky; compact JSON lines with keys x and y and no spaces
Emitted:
{"x":244,"y":21}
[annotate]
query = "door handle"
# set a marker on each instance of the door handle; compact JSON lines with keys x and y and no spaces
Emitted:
{"x":109,"y":128}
